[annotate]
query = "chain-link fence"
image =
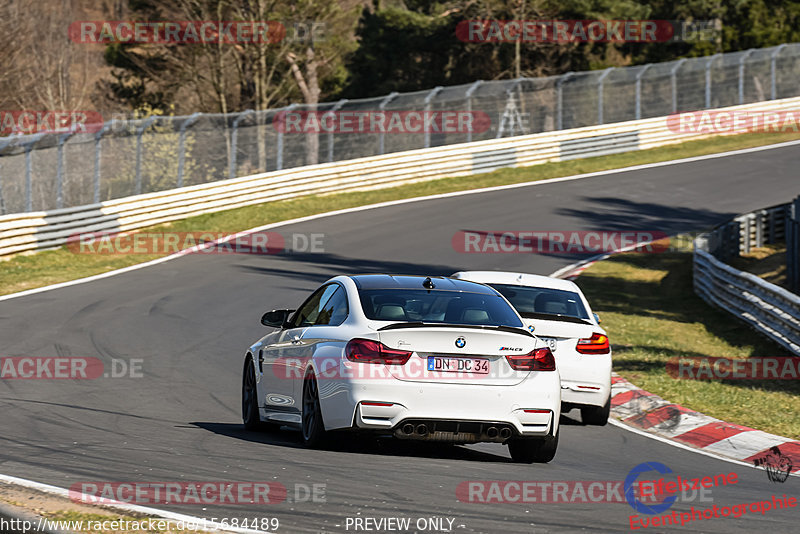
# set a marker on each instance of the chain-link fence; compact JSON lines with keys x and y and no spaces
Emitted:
{"x":126,"y":157}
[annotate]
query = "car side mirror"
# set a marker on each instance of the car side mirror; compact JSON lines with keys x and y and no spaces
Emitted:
{"x":597,"y":318}
{"x":276,"y":318}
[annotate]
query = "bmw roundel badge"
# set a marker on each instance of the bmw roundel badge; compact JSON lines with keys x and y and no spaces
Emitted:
{"x":461,"y":342}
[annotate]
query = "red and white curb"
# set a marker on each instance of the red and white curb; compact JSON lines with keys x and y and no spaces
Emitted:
{"x":649,"y":414}
{"x":645,"y":411}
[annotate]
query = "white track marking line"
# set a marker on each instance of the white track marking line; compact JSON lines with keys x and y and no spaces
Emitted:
{"x":174,"y":517}
{"x":405,"y":201}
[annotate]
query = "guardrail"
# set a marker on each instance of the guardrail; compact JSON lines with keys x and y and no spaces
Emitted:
{"x":48,"y":229}
{"x":770,"y":309}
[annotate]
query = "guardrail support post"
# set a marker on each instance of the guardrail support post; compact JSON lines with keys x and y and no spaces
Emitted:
{"x":382,"y":106}
{"x":435,"y":91}
{"x":234,"y":142}
{"x":773,"y":58}
{"x":600,"y":83}
{"x":147,"y":122}
{"x":741,"y":74}
{"x":468,"y":95}
{"x":334,"y":109}
{"x":560,"y":99}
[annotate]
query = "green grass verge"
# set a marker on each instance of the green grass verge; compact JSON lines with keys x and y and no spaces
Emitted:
{"x":652,"y":314}
{"x":27,"y":271}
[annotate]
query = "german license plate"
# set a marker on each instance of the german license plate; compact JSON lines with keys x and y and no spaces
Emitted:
{"x":478,"y":366}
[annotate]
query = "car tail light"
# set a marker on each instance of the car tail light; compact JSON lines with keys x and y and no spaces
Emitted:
{"x":538,"y":360}
{"x":369,"y":351}
{"x":597,"y":344}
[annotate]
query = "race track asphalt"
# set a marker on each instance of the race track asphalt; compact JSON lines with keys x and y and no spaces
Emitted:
{"x":190,"y":320}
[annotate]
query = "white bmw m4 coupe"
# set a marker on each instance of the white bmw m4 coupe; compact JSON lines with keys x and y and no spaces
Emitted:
{"x":559,"y":314}
{"x":419,"y":358}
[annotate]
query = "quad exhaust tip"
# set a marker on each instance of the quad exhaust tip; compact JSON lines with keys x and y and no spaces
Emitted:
{"x":408,"y":429}
{"x":422,"y":430}
{"x":505,"y":433}
{"x":492,"y":432}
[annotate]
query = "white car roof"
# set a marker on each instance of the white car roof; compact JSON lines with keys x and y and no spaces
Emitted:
{"x":519,"y":279}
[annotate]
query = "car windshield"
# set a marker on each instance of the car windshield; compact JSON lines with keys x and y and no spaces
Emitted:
{"x":438,"y":306}
{"x":534,"y":302}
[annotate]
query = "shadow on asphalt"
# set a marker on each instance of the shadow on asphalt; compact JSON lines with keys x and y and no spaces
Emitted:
{"x":362,"y":443}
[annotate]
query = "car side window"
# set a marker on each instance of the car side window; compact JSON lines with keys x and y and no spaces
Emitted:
{"x":335,"y":310}
{"x":309,"y":312}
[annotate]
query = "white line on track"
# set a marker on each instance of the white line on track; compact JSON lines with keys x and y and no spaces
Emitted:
{"x":174,"y":517}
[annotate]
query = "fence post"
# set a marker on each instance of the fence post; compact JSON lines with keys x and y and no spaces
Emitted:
{"x":600,"y":82}
{"x":708,"y":79}
{"x":98,"y":158}
{"x":560,"y":99}
{"x":382,"y":106}
{"x":234,"y":142}
{"x":639,"y":90}
{"x":468,"y":94}
{"x":741,"y":74}
{"x":435,"y":91}
{"x":279,"y":155}
{"x":28,"y":178}
{"x":334,"y":109}
{"x":793,"y":246}
{"x":182,"y":143}
{"x":60,"y":169}
{"x":2,"y":202}
{"x":147,"y":122}
{"x":773,"y":58}
{"x":674,"y":81}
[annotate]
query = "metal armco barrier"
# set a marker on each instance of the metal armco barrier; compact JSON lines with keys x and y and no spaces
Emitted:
{"x":768,"y":308}
{"x":47,"y":229}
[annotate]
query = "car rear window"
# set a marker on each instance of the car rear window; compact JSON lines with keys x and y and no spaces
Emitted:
{"x":437,"y":306}
{"x":543,"y":300}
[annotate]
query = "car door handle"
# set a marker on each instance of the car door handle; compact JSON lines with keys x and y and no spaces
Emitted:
{"x":297,"y":340}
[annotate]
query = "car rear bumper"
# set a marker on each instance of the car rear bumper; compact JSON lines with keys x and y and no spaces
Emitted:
{"x":585,"y":379}
{"x":530,"y":408}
